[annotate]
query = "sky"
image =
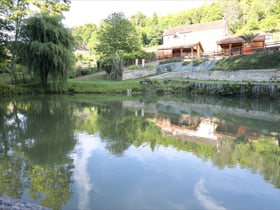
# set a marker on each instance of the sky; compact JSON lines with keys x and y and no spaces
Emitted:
{"x":93,"y":11}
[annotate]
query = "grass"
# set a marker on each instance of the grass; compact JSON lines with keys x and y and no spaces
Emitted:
{"x":264,"y":60}
{"x":97,"y":85}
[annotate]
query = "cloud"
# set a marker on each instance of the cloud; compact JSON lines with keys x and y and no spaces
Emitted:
{"x":205,"y":200}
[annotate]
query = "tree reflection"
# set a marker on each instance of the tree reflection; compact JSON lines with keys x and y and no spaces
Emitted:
{"x":37,"y":137}
{"x":12,"y":168}
{"x":120,"y":128}
{"x":117,"y":127}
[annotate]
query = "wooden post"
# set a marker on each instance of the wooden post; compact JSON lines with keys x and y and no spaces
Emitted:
{"x":198,"y":50}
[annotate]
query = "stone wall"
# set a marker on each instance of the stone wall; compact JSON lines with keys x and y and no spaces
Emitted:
{"x":132,"y":74}
{"x":268,"y":75}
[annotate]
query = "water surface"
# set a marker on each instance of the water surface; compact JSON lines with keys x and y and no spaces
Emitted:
{"x":87,"y":152}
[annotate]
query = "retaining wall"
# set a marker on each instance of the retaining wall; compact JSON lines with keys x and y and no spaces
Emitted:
{"x":267,"y":75}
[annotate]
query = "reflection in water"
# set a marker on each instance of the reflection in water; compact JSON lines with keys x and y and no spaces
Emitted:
{"x":38,"y":136}
{"x":204,"y":199}
{"x":83,"y":150}
{"x":205,"y":129}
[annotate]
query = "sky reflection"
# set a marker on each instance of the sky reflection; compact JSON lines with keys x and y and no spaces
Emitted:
{"x":161,"y":179}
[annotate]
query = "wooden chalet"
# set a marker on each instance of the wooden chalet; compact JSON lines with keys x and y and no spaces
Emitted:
{"x":192,"y":40}
{"x":180,"y":50}
{"x":236,"y":45}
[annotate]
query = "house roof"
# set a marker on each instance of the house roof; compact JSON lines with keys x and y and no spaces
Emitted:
{"x":179,"y":46}
{"x":237,"y":39}
{"x":195,"y":27}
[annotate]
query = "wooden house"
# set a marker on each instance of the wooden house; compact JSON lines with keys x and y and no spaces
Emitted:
{"x":192,"y":40}
{"x":180,"y":50}
{"x":236,"y":45}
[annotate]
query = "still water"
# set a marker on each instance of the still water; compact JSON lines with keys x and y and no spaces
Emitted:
{"x":89,"y":152}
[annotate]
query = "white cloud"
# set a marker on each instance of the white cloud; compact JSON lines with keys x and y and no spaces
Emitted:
{"x":86,"y":11}
{"x":205,"y":200}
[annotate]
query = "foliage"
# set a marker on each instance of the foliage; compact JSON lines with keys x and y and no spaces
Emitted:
{"x":5,"y":29}
{"x":117,"y":69}
{"x":170,"y":61}
{"x":265,"y":60}
{"x":198,"y":62}
{"x":15,"y":12}
{"x":51,"y":7}
{"x":116,"y":35}
{"x":5,"y":90}
{"x":135,"y":67}
{"x":85,"y":35}
{"x":243,"y":16}
{"x":248,"y":38}
{"x":46,"y":48}
{"x":40,"y":158}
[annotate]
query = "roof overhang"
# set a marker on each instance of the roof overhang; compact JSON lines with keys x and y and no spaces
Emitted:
{"x":180,"y":46}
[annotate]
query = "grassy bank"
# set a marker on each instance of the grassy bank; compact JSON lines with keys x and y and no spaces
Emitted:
{"x":99,"y":84}
{"x":264,"y":60}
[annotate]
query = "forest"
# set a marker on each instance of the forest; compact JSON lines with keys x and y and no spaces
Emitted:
{"x":25,"y":33}
{"x":243,"y":16}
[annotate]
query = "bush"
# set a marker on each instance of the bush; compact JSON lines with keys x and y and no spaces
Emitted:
{"x":264,"y":60}
{"x":170,"y":61}
{"x":6,"y":90}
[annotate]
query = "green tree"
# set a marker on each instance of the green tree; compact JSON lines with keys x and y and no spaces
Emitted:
{"x":271,"y":22}
{"x":231,"y":12}
{"x":18,"y":10}
{"x":46,"y":47}
{"x":116,"y":34}
{"x":5,"y":29}
{"x":248,"y":38}
{"x":139,"y":19}
{"x":85,"y":35}
{"x":52,"y":7}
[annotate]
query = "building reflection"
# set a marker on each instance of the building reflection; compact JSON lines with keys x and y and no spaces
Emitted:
{"x":203,"y":127}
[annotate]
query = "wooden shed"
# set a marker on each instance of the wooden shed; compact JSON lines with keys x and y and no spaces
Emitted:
{"x":236,"y":45}
{"x":194,"y":50}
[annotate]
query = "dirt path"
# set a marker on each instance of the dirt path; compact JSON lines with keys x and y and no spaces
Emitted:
{"x":97,"y":75}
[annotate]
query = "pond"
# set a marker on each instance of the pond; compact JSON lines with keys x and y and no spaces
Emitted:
{"x":93,"y":152}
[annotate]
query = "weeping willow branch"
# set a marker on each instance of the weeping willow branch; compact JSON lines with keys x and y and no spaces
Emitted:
{"x":46,"y":48}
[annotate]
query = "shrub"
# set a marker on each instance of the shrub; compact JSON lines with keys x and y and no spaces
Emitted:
{"x":264,"y":60}
{"x":170,"y":61}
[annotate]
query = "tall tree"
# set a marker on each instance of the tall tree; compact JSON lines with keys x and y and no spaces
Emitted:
{"x":231,"y":12}
{"x":18,"y":11}
{"x":52,"y":7}
{"x":85,"y":34}
{"x":5,"y":29}
{"x":46,"y":47}
{"x":116,"y":34}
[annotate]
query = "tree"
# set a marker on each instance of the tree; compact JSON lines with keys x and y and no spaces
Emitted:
{"x":231,"y":12}
{"x":248,"y":38}
{"x":116,"y":34}
{"x":52,"y":7}
{"x":5,"y":29}
{"x":138,"y":19}
{"x":18,"y":10}
{"x":85,"y":35}
{"x":46,"y":47}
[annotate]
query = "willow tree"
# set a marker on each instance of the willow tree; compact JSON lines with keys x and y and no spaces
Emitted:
{"x":46,"y":48}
